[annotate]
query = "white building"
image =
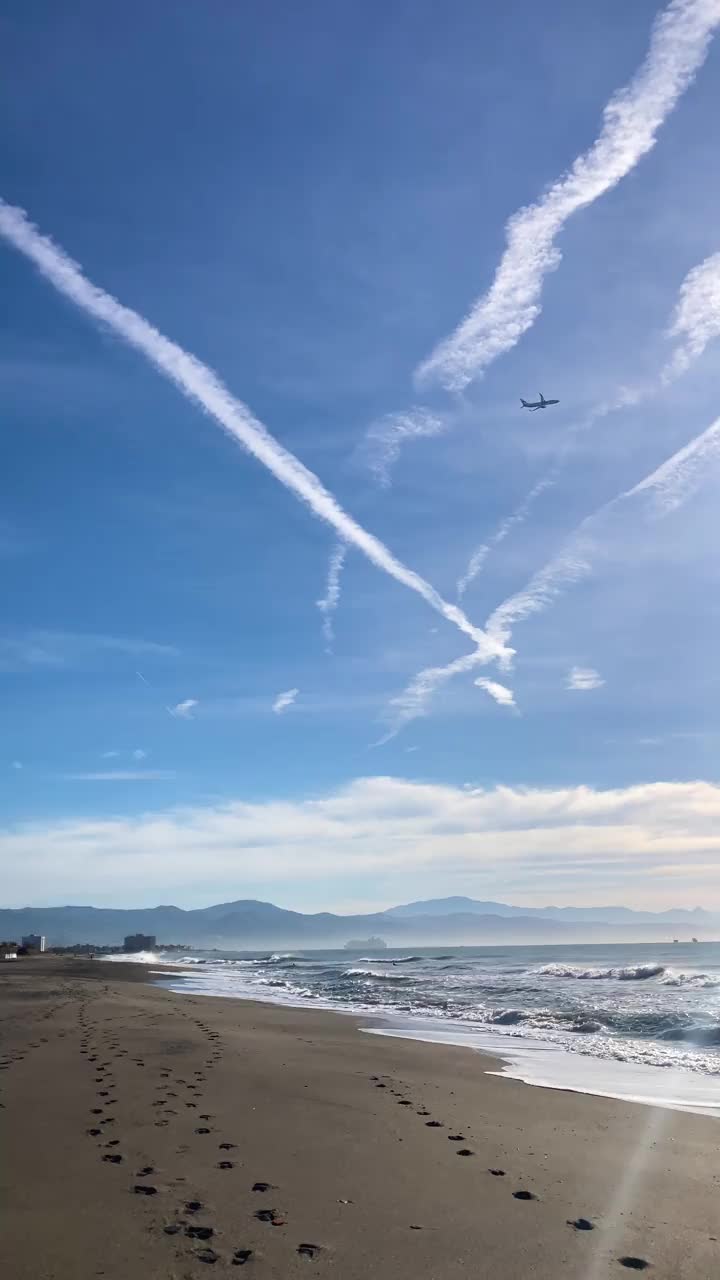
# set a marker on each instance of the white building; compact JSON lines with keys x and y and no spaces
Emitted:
{"x":34,"y":942}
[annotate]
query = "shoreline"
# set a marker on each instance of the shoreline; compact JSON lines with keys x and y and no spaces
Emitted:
{"x":531,"y":1061}
{"x":111,"y":1083}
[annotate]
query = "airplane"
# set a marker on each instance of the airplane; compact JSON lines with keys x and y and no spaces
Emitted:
{"x":542,"y":403}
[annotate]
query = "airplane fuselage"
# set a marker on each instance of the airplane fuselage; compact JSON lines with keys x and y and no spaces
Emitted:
{"x":542,"y":403}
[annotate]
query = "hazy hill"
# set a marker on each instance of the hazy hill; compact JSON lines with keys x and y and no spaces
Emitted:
{"x":603,"y":915}
{"x":251,"y":925}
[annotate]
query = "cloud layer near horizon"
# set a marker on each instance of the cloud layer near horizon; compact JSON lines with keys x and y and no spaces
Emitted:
{"x":652,"y":845}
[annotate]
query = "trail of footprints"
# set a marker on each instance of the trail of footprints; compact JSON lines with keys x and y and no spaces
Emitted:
{"x":577,"y":1224}
{"x":182,"y":1094}
{"x":188,"y":1092}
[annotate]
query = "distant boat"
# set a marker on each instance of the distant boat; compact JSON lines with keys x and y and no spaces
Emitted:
{"x":362,"y":944}
{"x":693,"y":939}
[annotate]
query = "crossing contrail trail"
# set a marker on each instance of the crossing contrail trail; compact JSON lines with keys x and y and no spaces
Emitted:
{"x":202,"y":386}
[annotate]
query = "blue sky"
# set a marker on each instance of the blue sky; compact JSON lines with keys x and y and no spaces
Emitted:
{"x":309,"y":202}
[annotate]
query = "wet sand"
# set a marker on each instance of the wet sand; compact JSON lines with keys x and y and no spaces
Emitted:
{"x":148,"y":1134}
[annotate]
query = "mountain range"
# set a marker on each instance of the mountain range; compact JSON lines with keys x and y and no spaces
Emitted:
{"x":456,"y":921}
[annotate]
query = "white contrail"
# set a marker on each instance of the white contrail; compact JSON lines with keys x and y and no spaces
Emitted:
{"x":412,"y":702}
{"x":474,"y":565}
{"x":521,"y":513}
{"x":696,"y":320}
{"x":329,"y":602}
{"x":386,"y":437}
{"x":668,"y":486}
{"x":631,"y":120}
{"x":196,"y":381}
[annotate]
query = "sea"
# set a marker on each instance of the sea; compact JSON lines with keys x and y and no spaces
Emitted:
{"x":639,"y":1021}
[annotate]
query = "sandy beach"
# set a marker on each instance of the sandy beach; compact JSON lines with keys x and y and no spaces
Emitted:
{"x":145,"y":1133}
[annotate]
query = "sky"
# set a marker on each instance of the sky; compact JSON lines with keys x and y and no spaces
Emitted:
{"x":299,"y":602}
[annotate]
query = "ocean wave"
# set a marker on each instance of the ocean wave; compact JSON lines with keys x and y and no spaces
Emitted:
{"x":373,"y":973}
{"x":635,"y":973}
{"x":700,"y":980}
{"x":136,"y":957}
{"x":707,"y":1036}
{"x":506,"y":1017}
{"x":394,"y":959}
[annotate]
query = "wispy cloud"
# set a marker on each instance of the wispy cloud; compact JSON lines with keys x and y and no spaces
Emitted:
{"x":696,"y":320}
{"x":196,"y":381}
{"x":584,"y":678}
{"x":16,"y":764}
{"x":36,"y":648}
{"x":123,"y":775}
{"x":330,"y":600}
{"x":655,"y":839}
{"x":139,"y":754}
{"x":110,"y":755}
{"x":184,"y":710}
{"x":631,"y":120}
{"x":502,"y":695}
{"x":385,"y":438}
{"x":284,"y":700}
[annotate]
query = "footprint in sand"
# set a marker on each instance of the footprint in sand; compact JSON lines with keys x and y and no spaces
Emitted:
{"x":464,"y":1151}
{"x":263,"y":1186}
{"x":634,"y":1264}
{"x":113,"y":1159}
{"x":208,"y":1255}
{"x":497,"y":1173}
{"x":226,"y":1146}
{"x":241,"y":1256}
{"x":225,"y":1164}
{"x":202,"y":1130}
{"x":524,"y":1195}
{"x":200,"y":1233}
{"x":140,"y":1190}
{"x":309,"y":1250}
{"x":581,"y":1224}
{"x":455,"y":1137}
{"x":270,"y":1215}
{"x":433,"y":1124}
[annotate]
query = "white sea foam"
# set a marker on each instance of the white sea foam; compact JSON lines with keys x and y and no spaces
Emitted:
{"x":635,"y":973}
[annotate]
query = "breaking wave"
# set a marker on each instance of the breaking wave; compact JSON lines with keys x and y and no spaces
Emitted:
{"x":373,"y":973}
{"x":635,"y":973}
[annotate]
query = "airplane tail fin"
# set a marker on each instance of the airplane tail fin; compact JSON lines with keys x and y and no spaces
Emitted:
{"x":524,"y":403}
